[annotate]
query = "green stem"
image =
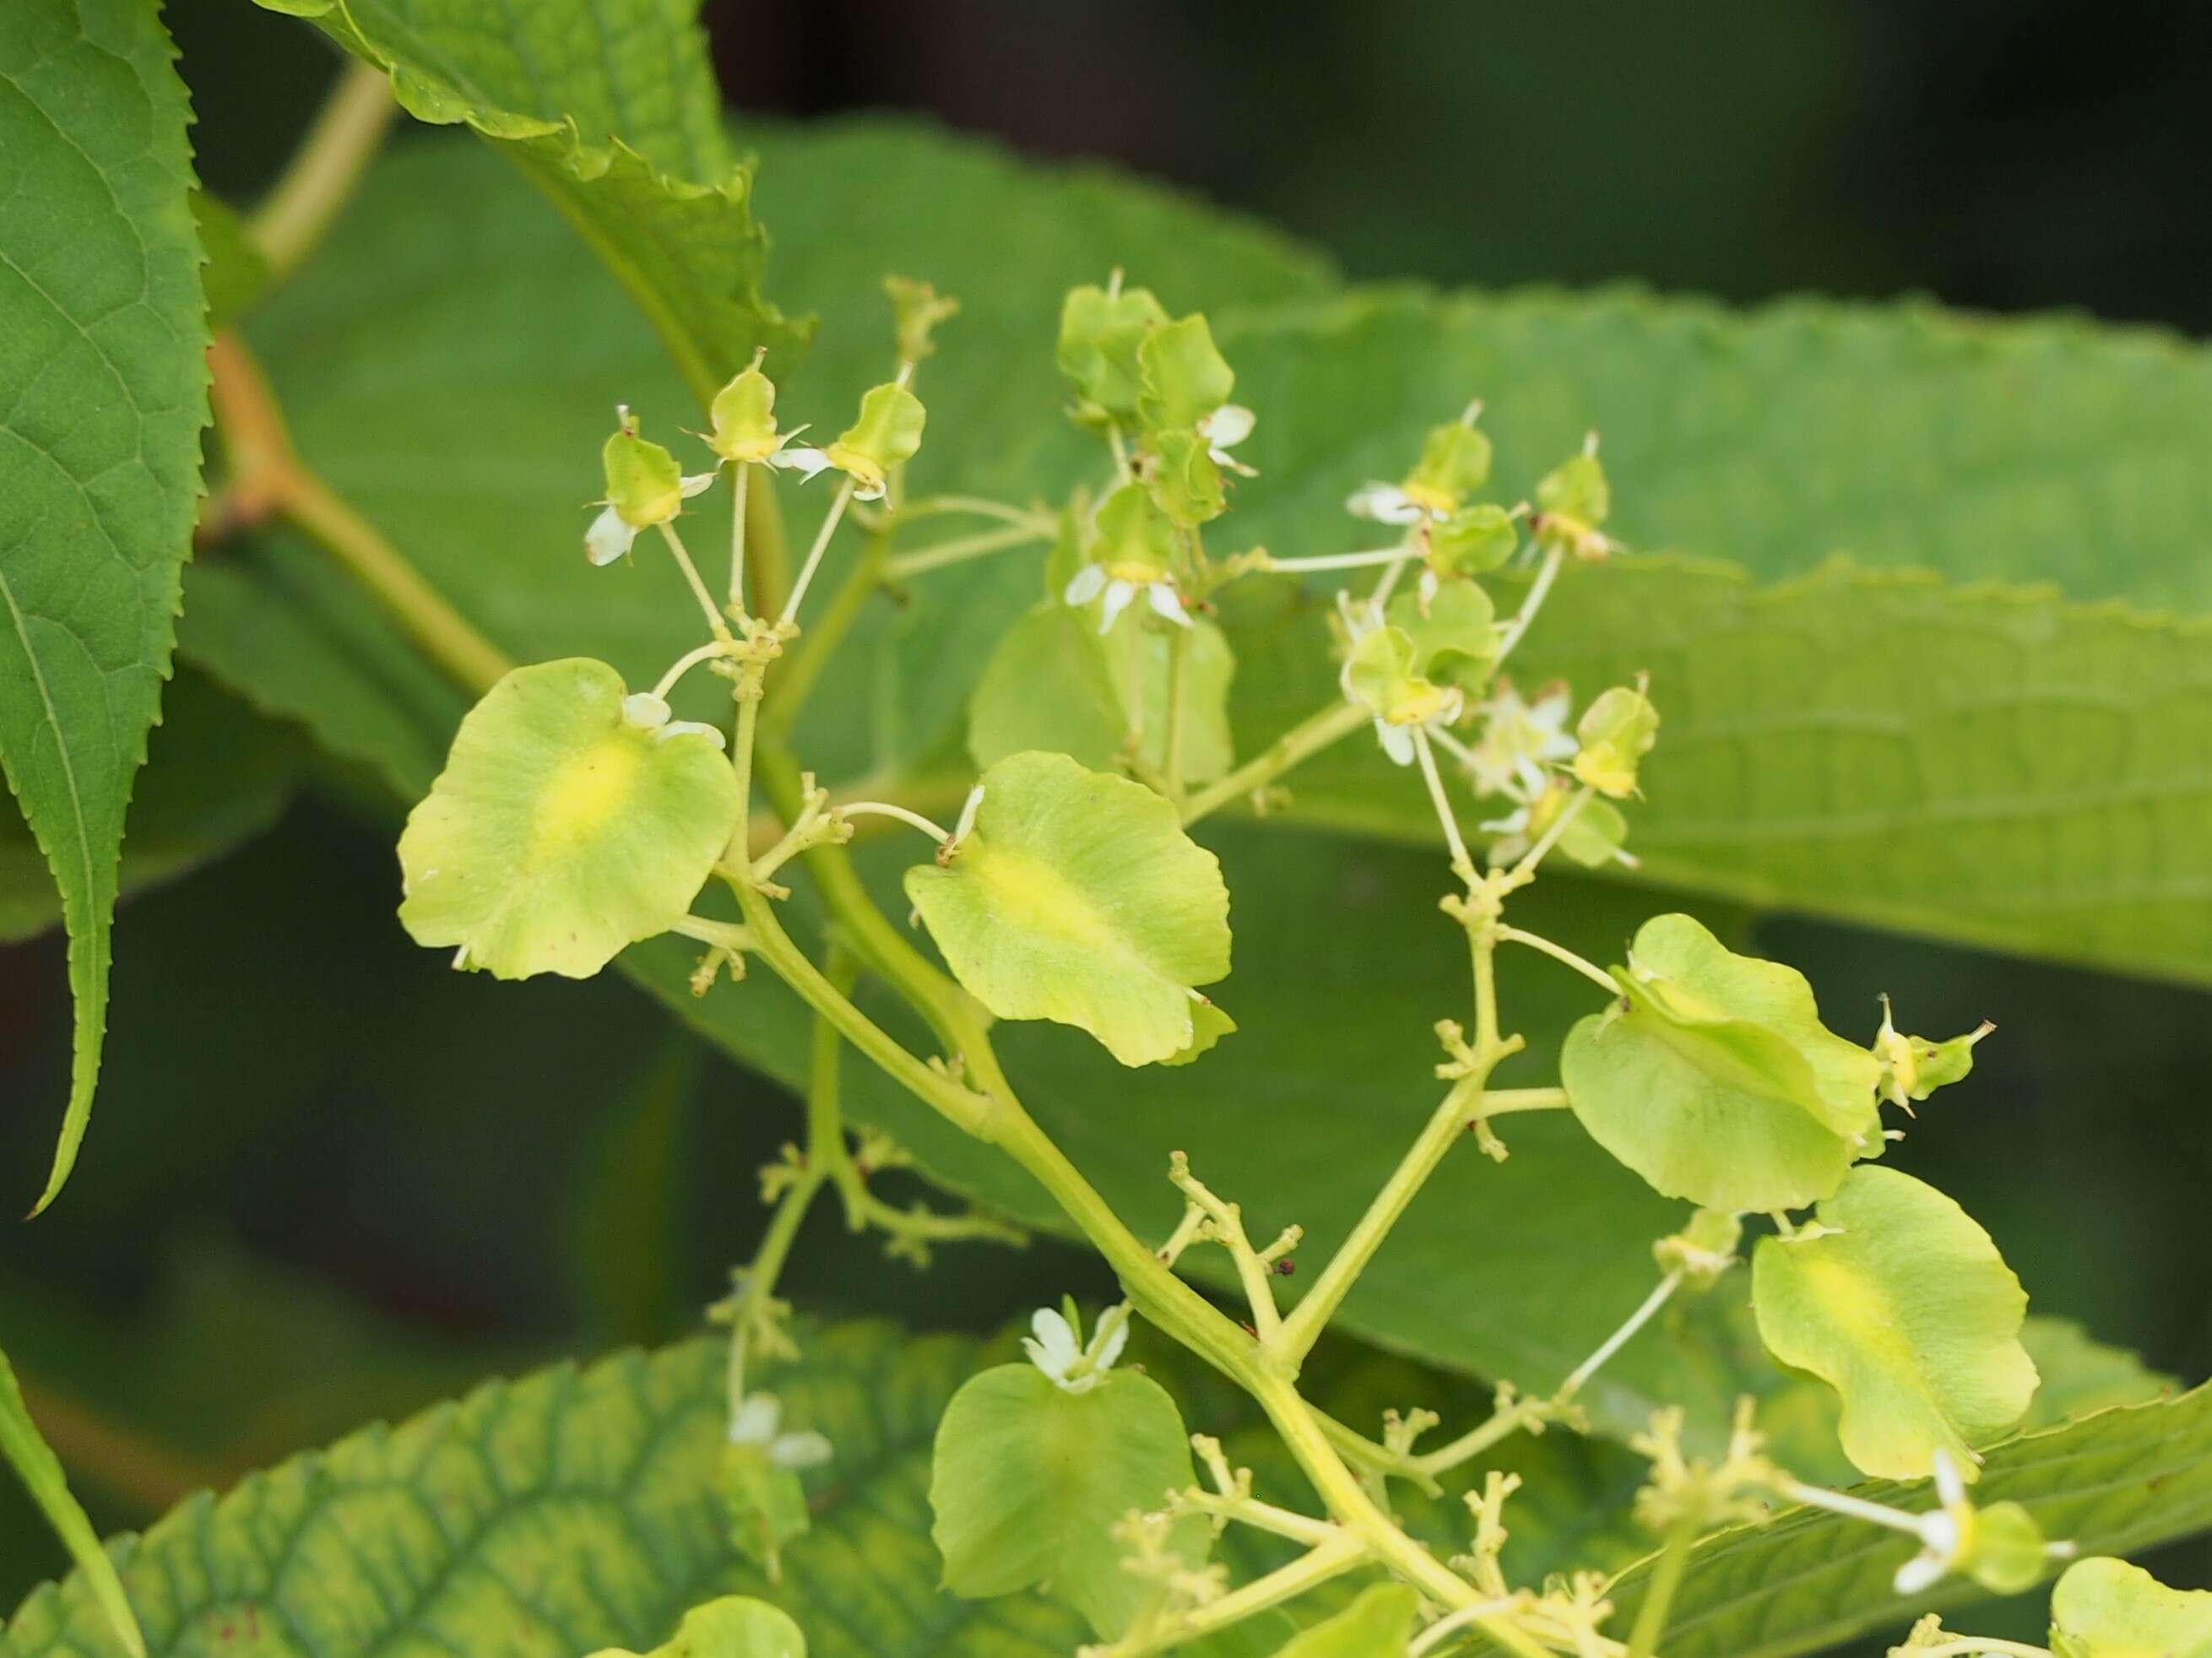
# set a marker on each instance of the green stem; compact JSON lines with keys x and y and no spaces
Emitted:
{"x":1302,"y":741}
{"x":1333,"y":1558}
{"x":795,"y":680}
{"x":768,"y":552}
{"x":444,"y":635}
{"x":1178,"y":672}
{"x":1447,"y":1125}
{"x":960,"y":549}
{"x":740,"y":487}
{"x":1559,"y":953}
{"x":268,"y":478}
{"x":1659,"y":1598}
{"x":323,"y":170}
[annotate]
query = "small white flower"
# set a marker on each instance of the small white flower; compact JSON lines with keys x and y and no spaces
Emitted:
{"x":1077,"y":1369}
{"x":806,"y":461}
{"x":610,"y":534}
{"x":1940,"y":1533}
{"x":649,"y":713}
{"x":1519,"y":740}
{"x":1222,"y":430}
{"x":756,"y":1421}
{"x":1159,"y":592}
{"x":1387,"y":503}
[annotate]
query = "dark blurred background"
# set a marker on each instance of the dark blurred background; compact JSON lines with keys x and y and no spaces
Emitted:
{"x":299,"y":1210}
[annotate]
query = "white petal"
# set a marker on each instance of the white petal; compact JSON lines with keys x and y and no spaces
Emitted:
{"x":1162,"y":599}
{"x":753,"y":1423}
{"x":1397,"y":742}
{"x":1228,"y":426}
{"x":645,"y":711}
{"x":1511,"y":823}
{"x":695,"y":483}
{"x":1919,"y":1574}
{"x":608,"y":538}
{"x":803,"y":460}
{"x":800,"y":1450}
{"x":1118,"y":595}
{"x":1053,"y":1348}
{"x":691,"y":728}
{"x":1950,"y":1490}
{"x":1551,"y":710}
{"x":875,"y":491}
{"x":1427,"y":589}
{"x":1109,"y":1337}
{"x":1089,"y":581}
{"x":968,"y":808}
{"x":1385,"y":503}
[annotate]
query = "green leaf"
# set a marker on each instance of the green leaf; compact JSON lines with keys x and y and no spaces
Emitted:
{"x":102,"y":342}
{"x":215,"y":777}
{"x":567,"y":1512}
{"x":42,"y":1471}
{"x":1078,"y":898}
{"x":733,"y":1626}
{"x":563,"y":828}
{"x":1380,"y":1621}
{"x":613,"y":112}
{"x":2107,"y":1608}
{"x":1842,"y":742}
{"x":1715,"y":1079}
{"x":2114,"y":1483}
{"x":1053,"y":683}
{"x":1908,"y":1311}
{"x":1031,"y":1479}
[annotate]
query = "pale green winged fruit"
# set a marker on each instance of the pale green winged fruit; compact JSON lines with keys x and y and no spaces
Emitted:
{"x":1184,"y":386}
{"x":1900,"y":1302}
{"x":572,"y":819}
{"x":1454,"y":463}
{"x":1380,"y":1622}
{"x":1380,"y":673}
{"x":645,"y":486}
{"x":2106,"y":1608}
{"x":1053,"y":683}
{"x":1454,"y":632}
{"x":2001,"y":1547}
{"x":1472,"y":542}
{"x":743,"y":430}
{"x":1613,"y":735}
{"x":734,"y":1626}
{"x":1076,"y":897}
{"x":1185,"y":479}
{"x":1132,"y":552}
{"x":1034,"y":1463}
{"x":1594,"y":836}
{"x":1715,"y":1080}
{"x":886,"y":434}
{"x":760,"y":1487}
{"x":1100,"y":330}
{"x":1573,"y":501}
{"x":1912,"y":1067}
